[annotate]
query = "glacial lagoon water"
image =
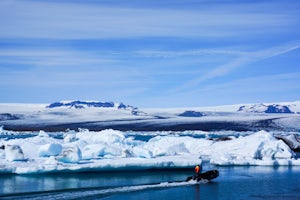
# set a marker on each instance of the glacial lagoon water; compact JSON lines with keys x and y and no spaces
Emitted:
{"x":238,"y":182}
{"x":233,"y":183}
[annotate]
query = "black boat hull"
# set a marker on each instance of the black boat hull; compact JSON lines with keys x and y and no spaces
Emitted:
{"x":209,"y":175}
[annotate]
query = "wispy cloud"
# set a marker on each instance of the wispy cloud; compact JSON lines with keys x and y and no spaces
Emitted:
{"x":195,"y":52}
{"x":52,"y":58}
{"x":38,"y":19}
{"x":263,"y":83}
{"x":238,"y":62}
{"x":254,"y":89}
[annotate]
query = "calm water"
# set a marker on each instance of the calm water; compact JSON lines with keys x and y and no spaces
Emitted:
{"x":233,"y":183}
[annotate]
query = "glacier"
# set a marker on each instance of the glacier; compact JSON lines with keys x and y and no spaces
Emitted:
{"x":96,"y":116}
{"x":113,"y":150}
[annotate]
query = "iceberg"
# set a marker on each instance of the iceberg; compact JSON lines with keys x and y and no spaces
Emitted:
{"x":261,"y":148}
{"x":110,"y":150}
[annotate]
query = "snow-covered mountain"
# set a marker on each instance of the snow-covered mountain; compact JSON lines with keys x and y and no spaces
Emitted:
{"x":95,"y":115}
{"x":89,"y":104}
{"x":271,"y":108}
{"x":94,"y":104}
{"x":191,"y":113}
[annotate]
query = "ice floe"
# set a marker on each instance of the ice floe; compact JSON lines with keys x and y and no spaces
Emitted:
{"x":115,"y":150}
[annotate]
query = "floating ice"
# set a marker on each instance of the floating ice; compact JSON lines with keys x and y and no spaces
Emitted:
{"x":115,"y":150}
{"x":250,"y":150}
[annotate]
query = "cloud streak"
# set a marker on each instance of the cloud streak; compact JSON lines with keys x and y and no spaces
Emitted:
{"x":26,"y":19}
{"x":245,"y":58}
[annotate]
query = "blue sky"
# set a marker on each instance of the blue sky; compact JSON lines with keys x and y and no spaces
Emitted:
{"x":156,"y":53}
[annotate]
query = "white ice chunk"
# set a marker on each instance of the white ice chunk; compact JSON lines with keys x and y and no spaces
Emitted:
{"x":90,"y":151}
{"x":43,"y":134}
{"x":70,"y":154}
{"x":110,"y":151}
{"x":47,"y":150}
{"x":244,"y":150}
{"x":176,"y":145}
{"x":101,"y":150}
{"x":167,"y":145}
{"x":51,"y":161}
{"x":69,"y":137}
{"x":141,"y":152}
{"x":13,"y":153}
{"x":105,"y":136}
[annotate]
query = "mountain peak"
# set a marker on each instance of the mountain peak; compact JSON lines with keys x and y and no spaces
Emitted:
{"x":88,"y":104}
{"x":265,"y":108}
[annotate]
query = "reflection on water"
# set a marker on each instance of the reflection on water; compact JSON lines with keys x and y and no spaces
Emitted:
{"x":233,"y":183}
{"x":49,"y":182}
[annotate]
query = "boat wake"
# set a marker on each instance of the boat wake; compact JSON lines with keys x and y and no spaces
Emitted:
{"x":94,"y":192}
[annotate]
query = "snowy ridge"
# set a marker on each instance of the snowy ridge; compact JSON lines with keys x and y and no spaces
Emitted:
{"x":293,"y":107}
{"x":191,"y":113}
{"x":88,"y":104}
{"x":261,"y":108}
{"x":271,"y":108}
{"x":95,"y":105}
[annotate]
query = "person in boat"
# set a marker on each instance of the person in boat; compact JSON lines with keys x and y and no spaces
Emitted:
{"x":198,"y":170}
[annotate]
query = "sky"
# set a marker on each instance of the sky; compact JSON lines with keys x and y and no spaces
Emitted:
{"x":169,"y":53}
